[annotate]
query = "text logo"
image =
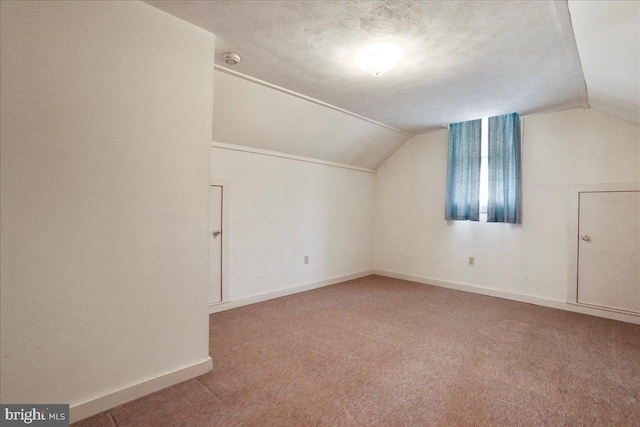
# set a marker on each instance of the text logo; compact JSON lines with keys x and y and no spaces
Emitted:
{"x":34,"y":415}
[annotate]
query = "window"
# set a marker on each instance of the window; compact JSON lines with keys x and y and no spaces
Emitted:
{"x":504,"y":203}
{"x":484,"y":171}
{"x":463,"y":172}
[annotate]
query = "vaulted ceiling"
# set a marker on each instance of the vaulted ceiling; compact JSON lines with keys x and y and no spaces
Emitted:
{"x":250,"y":114}
{"x":462,"y":60}
{"x":608,"y":38}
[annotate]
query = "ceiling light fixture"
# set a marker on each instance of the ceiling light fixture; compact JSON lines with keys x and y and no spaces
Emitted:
{"x":231,"y":58}
{"x":379,"y":58}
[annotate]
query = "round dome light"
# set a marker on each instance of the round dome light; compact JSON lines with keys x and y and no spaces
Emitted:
{"x":379,"y":58}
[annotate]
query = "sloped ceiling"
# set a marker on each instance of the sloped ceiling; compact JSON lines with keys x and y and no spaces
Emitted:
{"x":462,"y":60}
{"x":250,"y":114}
{"x":608,"y":38}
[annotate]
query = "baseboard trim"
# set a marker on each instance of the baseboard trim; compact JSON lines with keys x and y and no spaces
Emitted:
{"x":228,"y":305}
{"x":530,"y":299}
{"x":111,"y":400}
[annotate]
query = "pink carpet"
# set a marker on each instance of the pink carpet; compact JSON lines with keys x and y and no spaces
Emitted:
{"x":386,"y":352}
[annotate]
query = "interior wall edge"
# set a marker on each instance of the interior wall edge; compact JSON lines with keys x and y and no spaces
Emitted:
{"x":265,"y":296}
{"x":245,"y":149}
{"x":95,"y":406}
{"x":564,"y":22}
{"x":306,"y":98}
{"x":513,"y":296}
{"x":617,"y":115}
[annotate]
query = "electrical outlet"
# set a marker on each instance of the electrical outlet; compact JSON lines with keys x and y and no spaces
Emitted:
{"x":306,"y":259}
{"x":472,"y":260}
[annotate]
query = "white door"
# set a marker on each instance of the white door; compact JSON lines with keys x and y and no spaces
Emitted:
{"x":215,"y":245}
{"x":609,"y":250}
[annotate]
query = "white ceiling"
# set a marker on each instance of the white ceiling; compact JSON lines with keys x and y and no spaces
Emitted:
{"x":608,"y":38}
{"x":462,"y":60}
{"x":250,"y":114}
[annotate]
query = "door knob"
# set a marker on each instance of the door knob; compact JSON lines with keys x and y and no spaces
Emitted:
{"x":586,"y":238}
{"x":216,"y":233}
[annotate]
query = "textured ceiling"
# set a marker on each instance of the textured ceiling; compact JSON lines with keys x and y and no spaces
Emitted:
{"x":608,"y":39}
{"x":462,"y":60}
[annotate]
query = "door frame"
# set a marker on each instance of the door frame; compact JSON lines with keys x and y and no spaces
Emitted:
{"x":573,"y":235}
{"x":226,"y":190}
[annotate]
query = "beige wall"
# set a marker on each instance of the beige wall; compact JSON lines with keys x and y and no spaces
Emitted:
{"x":412,"y":237}
{"x":282,"y":210}
{"x":106,"y":128}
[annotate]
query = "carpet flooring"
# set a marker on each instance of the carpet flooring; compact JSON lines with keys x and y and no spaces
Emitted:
{"x":384,"y":352}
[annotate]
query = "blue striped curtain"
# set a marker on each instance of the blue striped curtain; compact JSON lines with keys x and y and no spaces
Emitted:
{"x":462,"y":200}
{"x":504,"y":204}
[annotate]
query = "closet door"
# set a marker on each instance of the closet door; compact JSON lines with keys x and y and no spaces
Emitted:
{"x":609,"y":250}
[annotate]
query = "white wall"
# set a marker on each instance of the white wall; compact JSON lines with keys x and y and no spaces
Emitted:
{"x":282,"y":210}
{"x":412,"y":237}
{"x":106,"y":128}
